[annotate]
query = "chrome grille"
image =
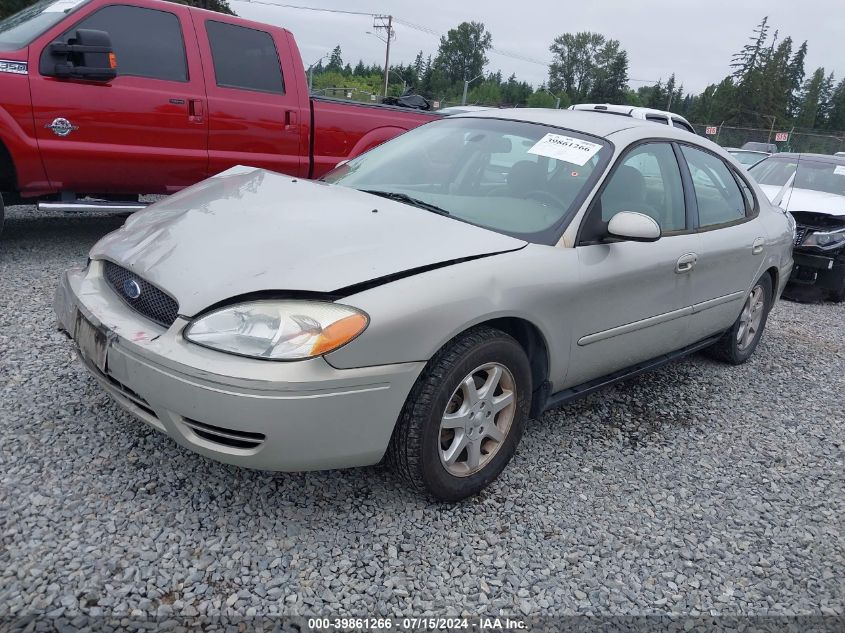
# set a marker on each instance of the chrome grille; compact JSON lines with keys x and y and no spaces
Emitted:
{"x":141,"y":296}
{"x":800,"y":234}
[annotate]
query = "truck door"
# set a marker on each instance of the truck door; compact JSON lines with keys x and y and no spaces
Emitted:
{"x":254,"y":109}
{"x":146,"y":130}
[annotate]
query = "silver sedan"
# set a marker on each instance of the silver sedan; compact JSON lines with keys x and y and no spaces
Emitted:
{"x":424,"y":300}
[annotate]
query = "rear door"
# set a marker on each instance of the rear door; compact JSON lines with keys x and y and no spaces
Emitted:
{"x":732,"y":241}
{"x":254,"y":109}
{"x":142,"y":132}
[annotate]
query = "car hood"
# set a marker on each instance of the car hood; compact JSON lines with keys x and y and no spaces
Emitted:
{"x":249,"y":230}
{"x":807,"y":200}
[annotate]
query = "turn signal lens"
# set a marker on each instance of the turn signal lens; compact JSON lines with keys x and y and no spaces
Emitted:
{"x":339,"y":333}
{"x":112,"y":61}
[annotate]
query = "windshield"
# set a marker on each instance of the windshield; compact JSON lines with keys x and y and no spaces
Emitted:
{"x":20,"y":29}
{"x":748,"y":158}
{"x":517,"y":178}
{"x":813,"y":175}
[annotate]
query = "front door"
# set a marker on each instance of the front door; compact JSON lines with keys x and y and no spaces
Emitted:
{"x":634,"y":301}
{"x":136,"y":133}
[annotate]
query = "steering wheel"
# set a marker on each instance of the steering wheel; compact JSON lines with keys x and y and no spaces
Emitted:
{"x":544,"y":196}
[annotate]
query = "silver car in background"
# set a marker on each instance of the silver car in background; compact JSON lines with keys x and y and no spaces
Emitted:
{"x":426,"y":298}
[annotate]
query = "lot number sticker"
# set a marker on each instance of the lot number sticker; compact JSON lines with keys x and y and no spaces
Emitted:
{"x":781,"y":137}
{"x":565,"y":148}
{"x":839,"y":170}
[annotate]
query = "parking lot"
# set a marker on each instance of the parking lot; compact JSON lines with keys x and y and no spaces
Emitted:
{"x":697,"y":488}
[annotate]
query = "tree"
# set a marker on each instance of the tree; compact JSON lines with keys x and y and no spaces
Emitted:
{"x":836,"y":118}
{"x":462,"y":54}
{"x":812,"y":100}
{"x":586,"y":65}
{"x":335,"y":64}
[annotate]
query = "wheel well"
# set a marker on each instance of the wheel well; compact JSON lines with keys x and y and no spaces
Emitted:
{"x":8,"y":177}
{"x":773,"y":273}
{"x":532,"y":341}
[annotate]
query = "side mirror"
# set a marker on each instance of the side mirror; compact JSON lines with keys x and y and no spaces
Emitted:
{"x":88,"y":55}
{"x":637,"y":227}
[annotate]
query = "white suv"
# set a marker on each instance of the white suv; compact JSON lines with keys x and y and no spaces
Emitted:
{"x":647,"y":114}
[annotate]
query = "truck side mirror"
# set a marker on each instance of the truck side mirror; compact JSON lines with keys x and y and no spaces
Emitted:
{"x":88,"y":55}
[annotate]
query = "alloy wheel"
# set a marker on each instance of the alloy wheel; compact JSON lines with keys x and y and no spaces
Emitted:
{"x":750,"y":318}
{"x":477,"y":419}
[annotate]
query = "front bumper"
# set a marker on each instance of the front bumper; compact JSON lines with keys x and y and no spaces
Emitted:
{"x":303,"y":415}
{"x":827,"y":272}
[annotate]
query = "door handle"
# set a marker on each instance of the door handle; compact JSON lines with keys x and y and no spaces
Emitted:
{"x":196,"y":110}
{"x":290,"y":119}
{"x":686,"y":263}
{"x":757,"y":246}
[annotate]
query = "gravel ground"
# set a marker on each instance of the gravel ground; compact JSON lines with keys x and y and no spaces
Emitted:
{"x":697,"y":488}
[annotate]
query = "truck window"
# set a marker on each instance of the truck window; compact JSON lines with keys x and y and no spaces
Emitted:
{"x":147,"y":42}
{"x":20,"y":29}
{"x":244,"y":58}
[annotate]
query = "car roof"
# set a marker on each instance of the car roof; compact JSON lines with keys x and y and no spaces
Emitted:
{"x":821,"y":158}
{"x":587,"y":121}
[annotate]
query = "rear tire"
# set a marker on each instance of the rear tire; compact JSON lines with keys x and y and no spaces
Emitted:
{"x":464,"y":417}
{"x":738,"y":344}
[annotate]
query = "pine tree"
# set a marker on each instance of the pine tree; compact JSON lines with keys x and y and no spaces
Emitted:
{"x":811,"y":100}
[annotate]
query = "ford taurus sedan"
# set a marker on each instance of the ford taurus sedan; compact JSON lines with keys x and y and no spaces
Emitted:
{"x":426,"y":299}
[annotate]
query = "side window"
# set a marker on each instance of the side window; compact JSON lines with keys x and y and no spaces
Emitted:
{"x":647,"y":181}
{"x":244,"y":58}
{"x":147,"y":42}
{"x":750,"y":201}
{"x":719,"y":197}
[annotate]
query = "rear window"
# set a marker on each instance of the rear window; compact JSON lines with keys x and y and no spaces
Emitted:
{"x":20,"y":29}
{"x":244,"y":58}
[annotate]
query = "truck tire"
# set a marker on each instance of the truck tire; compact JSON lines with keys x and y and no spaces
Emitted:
{"x":2,"y":213}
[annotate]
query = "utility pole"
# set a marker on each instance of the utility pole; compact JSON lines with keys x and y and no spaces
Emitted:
{"x":385,"y":22}
{"x":467,"y":82}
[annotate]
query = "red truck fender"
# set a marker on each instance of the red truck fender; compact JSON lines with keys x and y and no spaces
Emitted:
{"x":375,"y":137}
{"x":20,"y":160}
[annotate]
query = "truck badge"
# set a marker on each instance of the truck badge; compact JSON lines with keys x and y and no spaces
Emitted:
{"x":61,"y":127}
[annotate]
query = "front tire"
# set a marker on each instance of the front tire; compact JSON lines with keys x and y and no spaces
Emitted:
{"x":464,"y":417}
{"x":738,"y":344}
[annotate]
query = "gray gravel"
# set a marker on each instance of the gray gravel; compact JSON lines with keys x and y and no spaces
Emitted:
{"x":697,"y":488}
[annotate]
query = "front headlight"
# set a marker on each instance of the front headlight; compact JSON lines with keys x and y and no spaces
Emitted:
{"x":832,"y":239}
{"x":278,"y":330}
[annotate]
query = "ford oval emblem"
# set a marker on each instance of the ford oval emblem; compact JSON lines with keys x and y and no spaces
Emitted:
{"x":131,"y":289}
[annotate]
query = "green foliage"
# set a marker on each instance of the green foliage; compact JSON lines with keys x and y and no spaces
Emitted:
{"x":463,"y":50}
{"x":587,"y":66}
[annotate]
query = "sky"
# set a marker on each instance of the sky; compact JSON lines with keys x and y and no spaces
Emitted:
{"x":693,"y":40}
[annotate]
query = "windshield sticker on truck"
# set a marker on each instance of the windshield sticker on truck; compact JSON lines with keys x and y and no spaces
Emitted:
{"x":565,"y":148}
{"x":14,"y":68}
{"x":63,"y":6}
{"x":839,"y":170}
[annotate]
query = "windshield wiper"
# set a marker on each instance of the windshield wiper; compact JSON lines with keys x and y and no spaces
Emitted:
{"x":404,"y":197}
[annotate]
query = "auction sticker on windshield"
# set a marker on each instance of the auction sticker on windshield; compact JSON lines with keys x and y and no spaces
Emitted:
{"x":565,"y":148}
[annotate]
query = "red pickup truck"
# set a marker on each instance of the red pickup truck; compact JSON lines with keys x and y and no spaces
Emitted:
{"x":112,"y":99}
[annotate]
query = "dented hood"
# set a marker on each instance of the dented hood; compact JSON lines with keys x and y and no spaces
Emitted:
{"x":249,"y":230}
{"x":807,"y":200}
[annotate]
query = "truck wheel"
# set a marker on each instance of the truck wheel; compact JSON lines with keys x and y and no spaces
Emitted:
{"x":464,"y":416}
{"x":738,"y":343}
